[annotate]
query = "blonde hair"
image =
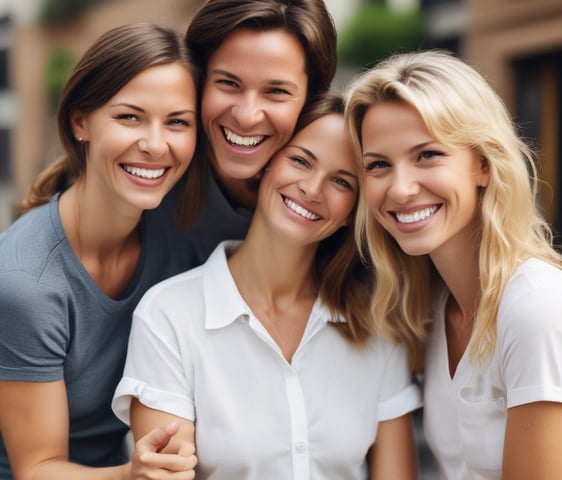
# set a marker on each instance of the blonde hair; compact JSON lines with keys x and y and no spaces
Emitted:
{"x":460,"y":110}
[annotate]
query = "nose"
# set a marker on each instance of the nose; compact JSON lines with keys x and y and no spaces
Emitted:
{"x":404,"y":184}
{"x":154,"y":142}
{"x":248,"y":111}
{"x":311,"y":187}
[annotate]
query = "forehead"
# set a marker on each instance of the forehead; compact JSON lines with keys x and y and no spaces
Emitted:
{"x":263,"y":48}
{"x":392,"y":120}
{"x":327,"y":140}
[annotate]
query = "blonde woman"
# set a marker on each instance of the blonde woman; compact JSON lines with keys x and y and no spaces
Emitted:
{"x":449,"y":219}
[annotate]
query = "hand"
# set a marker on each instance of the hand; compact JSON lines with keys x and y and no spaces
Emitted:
{"x":150,"y":462}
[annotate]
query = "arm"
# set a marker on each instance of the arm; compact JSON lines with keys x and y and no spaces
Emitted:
{"x":533,"y":438}
{"x":177,"y":445}
{"x":34,"y":425}
{"x":393,"y":455}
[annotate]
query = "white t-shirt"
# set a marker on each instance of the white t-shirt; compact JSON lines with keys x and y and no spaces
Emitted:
{"x":197,"y":351}
{"x":465,"y":417}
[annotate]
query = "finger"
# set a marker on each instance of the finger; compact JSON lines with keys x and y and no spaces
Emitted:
{"x":157,"y":438}
{"x":186,"y":449}
{"x":169,"y":462}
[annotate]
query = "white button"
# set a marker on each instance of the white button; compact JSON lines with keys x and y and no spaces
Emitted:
{"x":301,"y":447}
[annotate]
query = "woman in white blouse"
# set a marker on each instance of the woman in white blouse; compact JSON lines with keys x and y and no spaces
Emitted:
{"x":265,"y":353}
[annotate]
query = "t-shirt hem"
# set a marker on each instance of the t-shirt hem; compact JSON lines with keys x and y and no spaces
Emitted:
{"x":405,"y":402}
{"x":168,"y":402}
{"x":522,"y":396}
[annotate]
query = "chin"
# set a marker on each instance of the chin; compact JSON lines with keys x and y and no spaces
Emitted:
{"x":415,"y":250}
{"x":240,"y":172}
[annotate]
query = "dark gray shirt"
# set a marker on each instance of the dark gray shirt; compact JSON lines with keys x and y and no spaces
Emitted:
{"x":57,"y":324}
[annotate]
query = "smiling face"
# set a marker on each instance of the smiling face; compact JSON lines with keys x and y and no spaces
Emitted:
{"x":255,"y":87}
{"x":423,"y":193}
{"x":142,"y":140}
{"x":310,"y":188}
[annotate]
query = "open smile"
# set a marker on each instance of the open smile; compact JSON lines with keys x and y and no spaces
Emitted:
{"x":239,"y":141}
{"x":145,"y":173}
{"x":303,"y":212}
{"x":418,"y":216}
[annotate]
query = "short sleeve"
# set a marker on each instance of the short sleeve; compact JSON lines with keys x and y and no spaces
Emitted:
{"x":34,"y":326}
{"x":530,"y":344}
{"x":530,"y":335}
{"x":398,"y":395}
{"x":155,"y":371}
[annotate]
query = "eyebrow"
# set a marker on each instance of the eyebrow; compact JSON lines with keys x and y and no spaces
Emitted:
{"x":232,"y":76}
{"x":307,"y":152}
{"x":139,"y":109}
{"x":410,"y":150}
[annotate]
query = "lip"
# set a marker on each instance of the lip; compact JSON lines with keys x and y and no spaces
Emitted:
{"x":300,"y":211}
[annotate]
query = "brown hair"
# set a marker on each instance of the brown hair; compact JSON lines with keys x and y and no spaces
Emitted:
{"x":344,"y":281}
{"x":107,"y":66}
{"x":308,"y":20}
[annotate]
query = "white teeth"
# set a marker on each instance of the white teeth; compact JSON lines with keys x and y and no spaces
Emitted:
{"x":299,"y":210}
{"x":149,"y":174}
{"x":416,"y":216}
{"x":242,"y":141}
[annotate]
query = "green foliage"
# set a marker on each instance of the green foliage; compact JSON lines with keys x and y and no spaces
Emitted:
{"x":58,"y":68}
{"x":59,"y":10}
{"x":376,"y":32}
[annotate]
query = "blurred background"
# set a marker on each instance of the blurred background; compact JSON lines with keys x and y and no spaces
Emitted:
{"x":516,"y":44}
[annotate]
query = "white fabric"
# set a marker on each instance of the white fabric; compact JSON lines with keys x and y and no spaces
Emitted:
{"x":197,"y":351}
{"x":465,"y":417}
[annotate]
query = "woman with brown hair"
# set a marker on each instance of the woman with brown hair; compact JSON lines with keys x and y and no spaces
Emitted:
{"x":262,"y":61}
{"x":265,"y":353}
{"x":76,"y":263}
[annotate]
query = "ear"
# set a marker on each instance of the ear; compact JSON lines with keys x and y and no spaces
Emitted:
{"x":484,"y":173}
{"x":79,"y":125}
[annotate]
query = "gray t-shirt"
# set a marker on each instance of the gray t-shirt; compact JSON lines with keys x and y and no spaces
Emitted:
{"x":56,"y":323}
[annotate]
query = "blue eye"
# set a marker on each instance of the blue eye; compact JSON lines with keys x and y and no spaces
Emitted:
{"x":343,"y":183}
{"x":228,"y":83}
{"x":300,"y":161}
{"x":126,"y":116}
{"x":178,"y":122}
{"x":375,"y":165}
{"x":429,"y":154}
{"x":278,"y":91}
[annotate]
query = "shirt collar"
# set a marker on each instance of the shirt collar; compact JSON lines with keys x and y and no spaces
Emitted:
{"x":223,"y":302}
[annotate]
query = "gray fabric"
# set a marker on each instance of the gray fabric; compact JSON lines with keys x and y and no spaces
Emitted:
{"x":219,"y":221}
{"x":56,"y":323}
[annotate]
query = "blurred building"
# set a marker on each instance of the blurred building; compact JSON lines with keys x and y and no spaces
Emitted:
{"x":517,"y":45}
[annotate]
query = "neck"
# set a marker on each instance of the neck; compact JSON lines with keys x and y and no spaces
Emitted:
{"x":91,"y":225}
{"x":239,"y":192}
{"x":276,"y":281}
{"x":463,"y":281}
{"x":272,"y":270}
{"x":105,"y":240}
